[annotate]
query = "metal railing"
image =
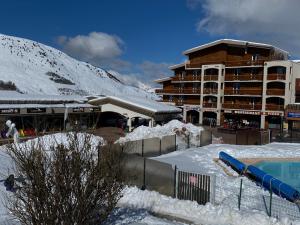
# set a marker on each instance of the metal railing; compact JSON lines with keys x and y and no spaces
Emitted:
{"x":250,"y":106}
{"x":280,"y":92}
{"x":244,"y":77}
{"x":274,"y":107}
{"x":243,"y":91}
{"x":276,"y":76}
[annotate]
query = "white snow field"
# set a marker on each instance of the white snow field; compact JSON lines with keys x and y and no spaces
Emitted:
{"x":39,"y":69}
{"x":182,"y":130}
{"x":136,"y":206}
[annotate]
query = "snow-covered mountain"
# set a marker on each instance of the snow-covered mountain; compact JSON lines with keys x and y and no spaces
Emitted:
{"x":31,"y":67}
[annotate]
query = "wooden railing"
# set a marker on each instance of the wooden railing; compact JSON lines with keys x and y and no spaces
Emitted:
{"x":249,"y":106}
{"x":209,"y":105}
{"x":274,"y":107}
{"x":198,"y":64}
{"x":275,"y":76}
{"x":179,"y":91}
{"x":243,"y":91}
{"x":280,"y":92}
{"x":210,"y":91}
{"x":243,"y":77}
{"x":210,"y":77}
{"x":186,"y":78}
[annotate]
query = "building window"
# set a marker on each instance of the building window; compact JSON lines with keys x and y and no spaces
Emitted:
{"x":237,"y":71}
{"x":255,"y":57}
{"x":170,"y":98}
{"x":281,"y":70}
{"x":183,"y":74}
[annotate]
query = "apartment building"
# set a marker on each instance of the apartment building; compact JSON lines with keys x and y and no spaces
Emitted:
{"x":233,"y":83}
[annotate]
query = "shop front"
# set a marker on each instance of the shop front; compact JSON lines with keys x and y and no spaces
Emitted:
{"x":238,"y":119}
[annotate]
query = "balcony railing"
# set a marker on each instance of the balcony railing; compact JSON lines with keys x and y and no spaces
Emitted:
{"x":243,"y":77}
{"x":243,"y":91}
{"x":210,"y":77}
{"x":209,"y":105}
{"x":186,"y":78}
{"x":210,"y":91}
{"x":275,"y":76}
{"x":279,"y":92}
{"x":249,"y":106}
{"x":179,"y":91}
{"x":198,"y":64}
{"x":274,"y":107}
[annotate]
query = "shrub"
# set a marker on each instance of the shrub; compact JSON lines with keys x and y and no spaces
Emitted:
{"x":76,"y":183}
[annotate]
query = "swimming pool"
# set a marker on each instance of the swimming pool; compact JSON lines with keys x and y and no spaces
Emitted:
{"x":286,"y":171}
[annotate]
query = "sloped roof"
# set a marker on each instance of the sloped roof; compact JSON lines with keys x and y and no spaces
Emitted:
{"x":233,"y":42}
{"x":163,"y":79}
{"x":139,"y":103}
{"x":177,"y":66}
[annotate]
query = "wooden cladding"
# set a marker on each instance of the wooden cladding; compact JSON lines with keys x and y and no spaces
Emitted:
{"x":244,"y":77}
{"x":274,"y":76}
{"x":278,"y":92}
{"x":274,"y":107}
{"x":243,"y":91}
{"x":249,"y":106}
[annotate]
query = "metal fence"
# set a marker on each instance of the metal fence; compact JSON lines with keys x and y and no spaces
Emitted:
{"x":151,"y":147}
{"x":249,"y":195}
{"x":162,"y":177}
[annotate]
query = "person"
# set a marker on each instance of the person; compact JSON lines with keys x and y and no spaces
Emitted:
{"x":12,"y":131}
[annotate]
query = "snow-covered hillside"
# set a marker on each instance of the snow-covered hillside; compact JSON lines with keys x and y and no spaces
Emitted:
{"x":30,"y":67}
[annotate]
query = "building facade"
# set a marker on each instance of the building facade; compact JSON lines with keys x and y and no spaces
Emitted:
{"x":233,"y":83}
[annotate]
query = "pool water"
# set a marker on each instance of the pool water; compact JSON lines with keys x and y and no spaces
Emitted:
{"x":286,"y":171}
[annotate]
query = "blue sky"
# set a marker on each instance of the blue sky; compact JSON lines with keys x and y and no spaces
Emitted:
{"x":144,"y":37}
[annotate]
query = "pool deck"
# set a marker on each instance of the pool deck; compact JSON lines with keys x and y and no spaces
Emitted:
{"x":251,"y":161}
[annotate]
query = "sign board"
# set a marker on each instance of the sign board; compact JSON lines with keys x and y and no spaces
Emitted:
{"x":36,"y":110}
{"x":97,"y":109}
{"x":293,"y":114}
{"x":273,"y":114}
{"x":247,"y":112}
{"x":9,"y":111}
{"x":78,"y":110}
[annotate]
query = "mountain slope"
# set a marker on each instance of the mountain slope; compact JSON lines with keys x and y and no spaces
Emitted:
{"x":31,"y":67}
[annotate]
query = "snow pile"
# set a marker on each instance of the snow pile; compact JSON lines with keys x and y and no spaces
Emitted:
{"x":183,"y":131}
{"x":53,"y":140}
{"x":191,"y":211}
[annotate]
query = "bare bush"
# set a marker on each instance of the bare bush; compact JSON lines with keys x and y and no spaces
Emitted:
{"x":76,"y":183}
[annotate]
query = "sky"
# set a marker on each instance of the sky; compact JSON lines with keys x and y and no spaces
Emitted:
{"x":142,"y":38}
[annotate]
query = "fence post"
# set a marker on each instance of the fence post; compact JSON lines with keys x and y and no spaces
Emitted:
{"x":144,"y":176}
{"x":142,"y":147}
{"x":200,"y":138}
{"x":175,"y":182}
{"x":213,"y":189}
{"x":188,"y":141}
{"x":160,"y":146}
{"x":271,"y":194}
{"x":240,"y":195}
{"x":175,"y":144}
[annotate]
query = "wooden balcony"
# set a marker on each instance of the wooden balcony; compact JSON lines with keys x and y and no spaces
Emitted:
{"x":190,"y":78}
{"x":275,"y":76}
{"x":210,"y":77}
{"x":210,"y":91}
{"x":237,"y":63}
{"x":274,"y":107}
{"x":209,"y":105}
{"x":244,"y":77}
{"x":243,"y":91}
{"x":249,"y":106}
{"x":278,"y":92}
{"x":182,"y":91}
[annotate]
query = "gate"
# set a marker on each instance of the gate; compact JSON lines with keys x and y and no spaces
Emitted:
{"x":195,"y":187}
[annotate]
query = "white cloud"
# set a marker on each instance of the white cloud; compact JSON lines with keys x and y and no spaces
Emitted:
{"x":271,"y":21}
{"x":96,"y":47}
{"x":104,"y":50}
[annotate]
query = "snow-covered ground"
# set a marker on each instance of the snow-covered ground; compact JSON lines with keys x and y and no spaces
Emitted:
{"x":136,"y":206}
{"x":182,"y":130}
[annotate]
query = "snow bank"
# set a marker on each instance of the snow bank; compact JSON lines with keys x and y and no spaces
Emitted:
{"x":53,"y":140}
{"x":198,"y":214}
{"x":182,"y":130}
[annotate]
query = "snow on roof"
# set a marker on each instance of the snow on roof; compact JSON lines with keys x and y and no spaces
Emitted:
{"x":26,"y":106}
{"x":18,"y":97}
{"x":296,"y":60}
{"x":142,"y":103}
{"x":232,"y":42}
{"x":177,"y":66}
{"x":162,"y":79}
